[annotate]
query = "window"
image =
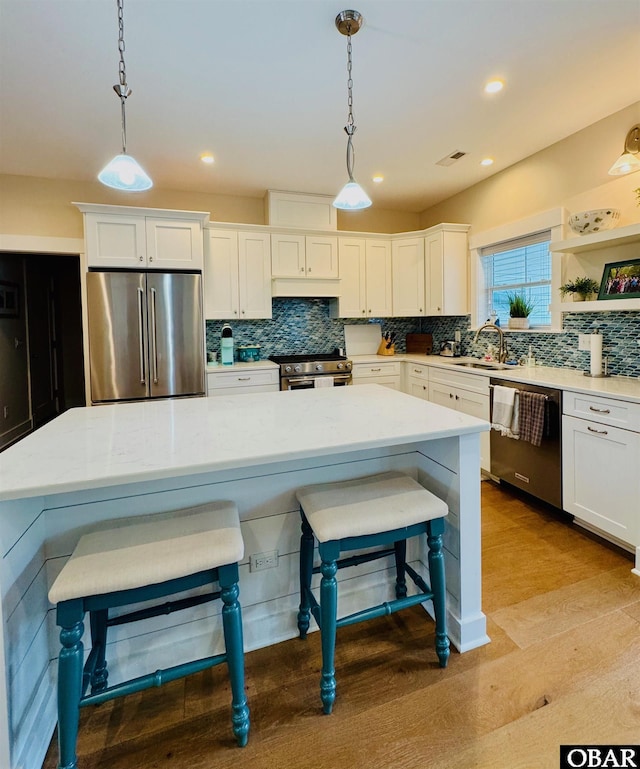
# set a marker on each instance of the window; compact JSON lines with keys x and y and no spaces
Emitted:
{"x":521,"y":266}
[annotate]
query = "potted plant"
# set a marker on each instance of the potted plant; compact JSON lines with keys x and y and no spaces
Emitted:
{"x":519,"y":310}
{"x":579,"y":288}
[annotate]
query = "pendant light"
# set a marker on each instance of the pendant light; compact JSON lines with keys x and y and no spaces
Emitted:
{"x":351,"y":197}
{"x":124,"y":172}
{"x":629,"y":161}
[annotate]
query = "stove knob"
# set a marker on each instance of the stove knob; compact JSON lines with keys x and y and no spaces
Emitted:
{"x":297,"y":368}
{"x":340,"y":366}
{"x":287,"y":369}
{"x":318,"y":366}
{"x":348,"y":364}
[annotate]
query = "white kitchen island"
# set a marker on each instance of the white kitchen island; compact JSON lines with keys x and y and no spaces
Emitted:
{"x":93,"y":465}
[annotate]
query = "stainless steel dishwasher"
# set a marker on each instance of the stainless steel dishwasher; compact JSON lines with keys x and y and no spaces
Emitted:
{"x":534,"y":469}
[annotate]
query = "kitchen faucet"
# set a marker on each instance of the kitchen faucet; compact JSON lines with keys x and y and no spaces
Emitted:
{"x":502,"y":351}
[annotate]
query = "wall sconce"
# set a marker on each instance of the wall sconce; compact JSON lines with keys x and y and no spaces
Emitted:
{"x":629,"y":161}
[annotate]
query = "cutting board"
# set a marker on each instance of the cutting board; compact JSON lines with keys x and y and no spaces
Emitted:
{"x":362,"y":339}
{"x":422,"y":343}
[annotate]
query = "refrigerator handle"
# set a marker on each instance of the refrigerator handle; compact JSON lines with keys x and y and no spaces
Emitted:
{"x":154,"y":337}
{"x":141,"y":334}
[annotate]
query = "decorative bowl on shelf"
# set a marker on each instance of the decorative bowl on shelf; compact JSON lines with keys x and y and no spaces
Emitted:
{"x":597,"y":220}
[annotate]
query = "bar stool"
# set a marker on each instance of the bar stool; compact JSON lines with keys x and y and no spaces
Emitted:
{"x":373,"y":511}
{"x":161,"y":556}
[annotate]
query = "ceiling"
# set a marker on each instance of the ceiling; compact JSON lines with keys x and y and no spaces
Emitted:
{"x":262,"y":86}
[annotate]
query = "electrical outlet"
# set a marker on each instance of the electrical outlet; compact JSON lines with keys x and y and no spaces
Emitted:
{"x":584,"y":341}
{"x":261,"y":561}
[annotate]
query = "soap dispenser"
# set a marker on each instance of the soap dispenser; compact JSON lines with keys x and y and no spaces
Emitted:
{"x":226,"y":345}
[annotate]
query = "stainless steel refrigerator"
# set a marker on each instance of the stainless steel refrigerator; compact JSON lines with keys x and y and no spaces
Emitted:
{"x":146,"y":335}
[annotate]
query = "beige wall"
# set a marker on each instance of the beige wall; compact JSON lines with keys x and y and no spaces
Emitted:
{"x":42,"y":207}
{"x":571,"y":173}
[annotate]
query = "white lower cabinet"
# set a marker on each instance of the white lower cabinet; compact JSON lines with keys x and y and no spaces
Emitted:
{"x":468,"y":393}
{"x":239,"y":380}
{"x":601,"y":461}
{"x":416,"y":380}
{"x":383,"y":373}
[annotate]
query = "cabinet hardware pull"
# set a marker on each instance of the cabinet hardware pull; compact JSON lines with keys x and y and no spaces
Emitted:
{"x":244,"y":378}
{"x":302,"y":269}
{"x":599,"y":432}
{"x":376,"y":369}
{"x":600,"y":411}
{"x":309,"y":269}
{"x":457,"y":397}
{"x":141,"y":258}
{"x":451,"y":395}
{"x":418,"y":370}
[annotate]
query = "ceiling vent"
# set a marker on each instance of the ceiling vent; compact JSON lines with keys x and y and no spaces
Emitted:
{"x":449,"y":160}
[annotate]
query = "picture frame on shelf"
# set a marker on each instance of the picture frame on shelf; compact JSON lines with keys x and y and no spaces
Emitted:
{"x":621,"y":280}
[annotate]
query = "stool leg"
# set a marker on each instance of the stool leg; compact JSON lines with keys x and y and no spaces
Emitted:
{"x":98,"y":622}
{"x":328,"y":615}
{"x":70,"y":664}
{"x":306,"y":571}
{"x":401,"y":558}
{"x":232,"y":626}
{"x":435,"y":530}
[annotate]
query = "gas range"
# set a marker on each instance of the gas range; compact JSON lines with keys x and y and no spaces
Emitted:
{"x":299,"y":372}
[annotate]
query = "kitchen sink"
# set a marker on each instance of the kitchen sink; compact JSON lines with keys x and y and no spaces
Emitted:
{"x":482,"y":364}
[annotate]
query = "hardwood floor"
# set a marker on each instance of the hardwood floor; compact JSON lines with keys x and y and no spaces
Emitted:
{"x":563,"y":613}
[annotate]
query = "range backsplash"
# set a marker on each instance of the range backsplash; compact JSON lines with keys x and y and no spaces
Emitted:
{"x":304,"y":326}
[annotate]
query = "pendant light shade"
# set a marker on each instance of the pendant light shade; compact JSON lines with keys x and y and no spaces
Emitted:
{"x":351,"y":197}
{"x":124,"y":172}
{"x":629,"y":161}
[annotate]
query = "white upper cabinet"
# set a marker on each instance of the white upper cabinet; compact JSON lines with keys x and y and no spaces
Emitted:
{"x":408,"y":267}
{"x":138,"y":238}
{"x":304,"y":256}
{"x":237,"y":275}
{"x":365,"y":279}
{"x":430,"y":272}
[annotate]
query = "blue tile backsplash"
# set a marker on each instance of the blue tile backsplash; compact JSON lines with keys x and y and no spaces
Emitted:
{"x":304,"y":326}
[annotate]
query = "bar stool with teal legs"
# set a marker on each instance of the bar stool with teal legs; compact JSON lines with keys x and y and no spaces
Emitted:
{"x":143,"y":561}
{"x":373,"y":511}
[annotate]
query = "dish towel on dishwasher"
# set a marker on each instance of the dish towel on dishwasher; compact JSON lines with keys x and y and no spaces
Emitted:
{"x":505,"y":411}
{"x":532,"y":407}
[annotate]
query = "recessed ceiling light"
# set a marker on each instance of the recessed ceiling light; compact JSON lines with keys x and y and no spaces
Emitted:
{"x":377,"y":179}
{"x":207,"y":157}
{"x":486,"y":162}
{"x":493,"y":86}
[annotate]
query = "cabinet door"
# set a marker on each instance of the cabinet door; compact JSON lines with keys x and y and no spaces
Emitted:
{"x":434,"y":274}
{"x":407,"y":258}
{"x":254,"y":275}
{"x":418,"y":387}
{"x":221,"y":275}
{"x":352,"y":300}
{"x":600,"y":482}
{"x":378,"y":279}
{"x":442,"y":395}
{"x":321,"y":256}
{"x":288,"y":256}
{"x":113,"y":240}
{"x":174,"y":244}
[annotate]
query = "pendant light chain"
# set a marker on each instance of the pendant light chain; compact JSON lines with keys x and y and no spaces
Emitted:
{"x":350,"y":128}
{"x":121,"y":88}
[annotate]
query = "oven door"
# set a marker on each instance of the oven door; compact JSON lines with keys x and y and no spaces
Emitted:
{"x":309,"y":382}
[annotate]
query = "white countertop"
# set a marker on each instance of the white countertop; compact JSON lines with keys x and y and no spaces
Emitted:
{"x":622,"y":387}
{"x":87,"y":448}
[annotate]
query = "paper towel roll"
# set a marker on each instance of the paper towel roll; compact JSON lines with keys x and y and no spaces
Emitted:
{"x":596,"y":354}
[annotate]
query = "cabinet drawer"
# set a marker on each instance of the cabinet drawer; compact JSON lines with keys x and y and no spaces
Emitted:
{"x":476,"y":383}
{"x":417,"y":371}
{"x":361,"y":370}
{"x":241,"y":379}
{"x":604,"y":410}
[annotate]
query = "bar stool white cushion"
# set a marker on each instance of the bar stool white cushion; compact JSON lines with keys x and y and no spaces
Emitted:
{"x":167,"y":546}
{"x":369,"y":505}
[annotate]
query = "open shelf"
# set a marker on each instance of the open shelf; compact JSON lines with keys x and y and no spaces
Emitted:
{"x":604,"y":305}
{"x":616,"y":237}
